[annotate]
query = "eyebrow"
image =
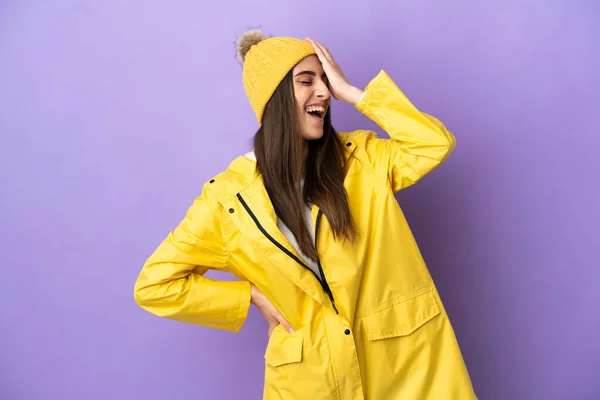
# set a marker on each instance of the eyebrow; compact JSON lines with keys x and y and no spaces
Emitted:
{"x":311,"y":73}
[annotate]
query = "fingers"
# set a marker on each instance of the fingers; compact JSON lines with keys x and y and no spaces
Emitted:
{"x":279,"y":320}
{"x":286,"y":325}
{"x":269,"y":312}
{"x":323,"y":50}
{"x":282,"y":321}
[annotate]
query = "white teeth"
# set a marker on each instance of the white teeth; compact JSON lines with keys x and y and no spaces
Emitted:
{"x":315,"y":108}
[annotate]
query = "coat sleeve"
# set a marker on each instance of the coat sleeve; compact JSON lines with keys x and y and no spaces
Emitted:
{"x":171,"y":283}
{"x":418,"y":142}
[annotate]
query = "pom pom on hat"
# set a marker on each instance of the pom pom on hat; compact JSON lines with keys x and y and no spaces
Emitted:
{"x":247,"y":40}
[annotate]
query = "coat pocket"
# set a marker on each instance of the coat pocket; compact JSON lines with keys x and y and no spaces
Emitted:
{"x":284,"y":347}
{"x":401,"y":318}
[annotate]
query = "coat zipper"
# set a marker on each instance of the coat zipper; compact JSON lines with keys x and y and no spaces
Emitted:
{"x":281,"y":247}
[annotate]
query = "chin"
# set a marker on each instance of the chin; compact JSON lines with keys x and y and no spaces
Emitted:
{"x":313,"y":135}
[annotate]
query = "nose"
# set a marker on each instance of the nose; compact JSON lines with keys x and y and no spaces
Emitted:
{"x":322,"y":91}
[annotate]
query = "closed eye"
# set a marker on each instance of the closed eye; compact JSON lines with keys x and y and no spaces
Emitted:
{"x":305,"y":83}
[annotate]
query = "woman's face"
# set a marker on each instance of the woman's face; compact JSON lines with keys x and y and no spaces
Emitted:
{"x":312,"y":96}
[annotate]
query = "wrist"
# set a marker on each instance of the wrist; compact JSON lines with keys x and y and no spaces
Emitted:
{"x":352,"y":95}
{"x":252,"y":293}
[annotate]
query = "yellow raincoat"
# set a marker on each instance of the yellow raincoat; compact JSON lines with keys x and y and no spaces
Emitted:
{"x":375,"y":328}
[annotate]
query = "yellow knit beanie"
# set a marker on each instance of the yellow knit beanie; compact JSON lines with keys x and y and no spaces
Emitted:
{"x":266,"y":61}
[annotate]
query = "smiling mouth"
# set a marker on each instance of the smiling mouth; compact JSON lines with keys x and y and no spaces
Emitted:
{"x":317,"y":112}
{"x":317,"y":116}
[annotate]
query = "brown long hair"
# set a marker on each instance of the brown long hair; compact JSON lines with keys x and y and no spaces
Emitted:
{"x":278,"y":146}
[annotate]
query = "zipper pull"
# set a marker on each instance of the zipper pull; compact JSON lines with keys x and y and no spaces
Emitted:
{"x":334,"y":307}
{"x":332,"y":300}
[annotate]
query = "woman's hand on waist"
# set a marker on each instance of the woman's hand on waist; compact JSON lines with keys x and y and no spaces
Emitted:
{"x":268,"y":310}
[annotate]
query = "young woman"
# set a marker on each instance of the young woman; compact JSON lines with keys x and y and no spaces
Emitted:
{"x":309,"y":224}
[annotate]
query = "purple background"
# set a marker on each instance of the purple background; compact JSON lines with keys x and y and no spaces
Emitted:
{"x":113,"y":114}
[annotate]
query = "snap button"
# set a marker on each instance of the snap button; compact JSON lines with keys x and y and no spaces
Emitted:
{"x":347,"y":331}
{"x":349,"y":144}
{"x":231,"y":210}
{"x":212,"y":181}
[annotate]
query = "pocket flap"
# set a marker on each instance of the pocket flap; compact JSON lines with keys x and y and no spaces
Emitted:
{"x":401,"y":318}
{"x":284,"y":347}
